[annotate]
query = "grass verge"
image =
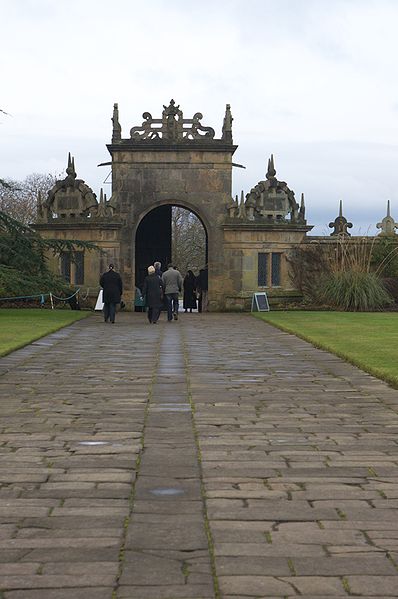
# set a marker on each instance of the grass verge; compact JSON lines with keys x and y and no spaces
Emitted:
{"x":368,"y":340}
{"x":18,"y":326}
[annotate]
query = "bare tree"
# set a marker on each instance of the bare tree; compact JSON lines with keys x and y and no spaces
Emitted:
{"x":188,"y":240}
{"x":18,"y":199}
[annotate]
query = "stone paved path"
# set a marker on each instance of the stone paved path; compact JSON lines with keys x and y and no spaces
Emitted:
{"x":210,"y":458}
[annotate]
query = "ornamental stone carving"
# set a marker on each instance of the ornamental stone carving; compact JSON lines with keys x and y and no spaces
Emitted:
{"x":340,"y":224}
{"x":269,"y":202}
{"x":70,"y":198}
{"x":173,"y":128}
{"x":388,"y":224}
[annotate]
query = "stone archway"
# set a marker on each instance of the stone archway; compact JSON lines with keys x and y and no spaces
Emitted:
{"x":178,"y":161}
{"x":155,"y":240}
{"x":180,"y":165}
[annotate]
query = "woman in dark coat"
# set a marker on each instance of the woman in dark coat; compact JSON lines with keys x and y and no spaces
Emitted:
{"x":189,"y":300}
{"x":152,"y":292}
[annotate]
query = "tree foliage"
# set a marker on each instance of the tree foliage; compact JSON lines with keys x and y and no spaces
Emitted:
{"x":188,"y":240}
{"x":23,"y":263}
{"x":19,"y":198}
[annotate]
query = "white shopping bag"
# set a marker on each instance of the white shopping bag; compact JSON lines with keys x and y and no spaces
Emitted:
{"x":100,"y":304}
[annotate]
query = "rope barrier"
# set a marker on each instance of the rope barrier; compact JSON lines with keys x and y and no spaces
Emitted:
{"x":65,"y":299}
{"x":41,"y":296}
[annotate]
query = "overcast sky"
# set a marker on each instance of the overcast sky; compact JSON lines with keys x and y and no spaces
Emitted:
{"x":312,"y":81}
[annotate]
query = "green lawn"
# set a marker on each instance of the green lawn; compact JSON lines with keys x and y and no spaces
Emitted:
{"x":367,"y":339}
{"x":18,"y":327}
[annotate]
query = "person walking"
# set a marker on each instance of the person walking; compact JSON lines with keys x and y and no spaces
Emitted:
{"x":172,"y":283}
{"x":202,"y":285}
{"x":112,"y":286}
{"x":189,"y":298}
{"x":152,"y":292}
{"x":158,"y":268}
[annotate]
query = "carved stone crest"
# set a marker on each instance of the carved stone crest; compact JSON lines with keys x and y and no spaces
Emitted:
{"x":340,"y":224}
{"x":388,"y":224}
{"x":172,"y":126}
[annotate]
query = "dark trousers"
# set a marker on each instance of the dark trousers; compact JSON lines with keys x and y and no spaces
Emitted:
{"x":153,"y":314}
{"x":109,"y":312}
{"x":172,"y":305}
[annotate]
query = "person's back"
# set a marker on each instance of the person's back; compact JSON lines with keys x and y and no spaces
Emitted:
{"x":172,"y":283}
{"x":158,"y":268}
{"x":112,"y":286}
{"x":172,"y":280}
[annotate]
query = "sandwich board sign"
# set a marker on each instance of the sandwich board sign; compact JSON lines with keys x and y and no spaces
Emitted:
{"x":260,"y":302}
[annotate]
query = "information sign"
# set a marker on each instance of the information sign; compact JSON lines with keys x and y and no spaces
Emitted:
{"x":260,"y":302}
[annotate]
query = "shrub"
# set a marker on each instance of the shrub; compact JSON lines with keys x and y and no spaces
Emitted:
{"x":339,"y":274}
{"x":16,"y":283}
{"x":355,"y":291}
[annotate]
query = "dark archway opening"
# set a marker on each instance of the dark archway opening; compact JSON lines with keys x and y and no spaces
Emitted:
{"x":170,"y":234}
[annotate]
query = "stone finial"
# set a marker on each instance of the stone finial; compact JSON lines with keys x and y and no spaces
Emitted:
{"x":40,"y":212}
{"x":387,"y":225}
{"x":340,"y":224}
{"x":116,"y":129}
{"x":242,"y":206}
{"x":227,"y":125}
{"x":101,"y":208}
{"x":70,"y":170}
{"x":271,"y":172}
{"x":233,"y":207}
{"x":301,"y":214}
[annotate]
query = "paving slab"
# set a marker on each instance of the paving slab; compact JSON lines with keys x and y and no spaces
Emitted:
{"x":210,"y":458}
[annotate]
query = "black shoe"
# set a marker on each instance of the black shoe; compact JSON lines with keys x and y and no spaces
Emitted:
{"x":175,"y":315}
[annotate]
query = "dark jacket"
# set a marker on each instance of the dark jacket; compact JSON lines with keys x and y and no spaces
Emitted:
{"x":111,"y":283}
{"x":189,"y":300}
{"x":202,"y":281}
{"x":152,"y":291}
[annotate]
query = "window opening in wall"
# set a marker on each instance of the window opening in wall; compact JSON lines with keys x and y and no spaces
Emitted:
{"x":72,"y":270}
{"x":262,"y":270}
{"x":276,"y":270}
{"x":65,"y":266}
{"x":79,"y":268}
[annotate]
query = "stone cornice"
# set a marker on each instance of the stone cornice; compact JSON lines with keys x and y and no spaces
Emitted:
{"x":161,"y":145}
{"x":245,"y":226}
{"x":83,"y":225}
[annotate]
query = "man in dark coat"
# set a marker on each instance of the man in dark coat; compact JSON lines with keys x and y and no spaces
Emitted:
{"x":152,"y":292}
{"x":112,"y":286}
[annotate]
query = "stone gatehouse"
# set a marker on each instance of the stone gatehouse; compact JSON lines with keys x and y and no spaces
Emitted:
{"x":178,"y":161}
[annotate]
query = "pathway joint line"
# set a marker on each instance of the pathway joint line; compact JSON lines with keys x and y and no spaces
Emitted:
{"x":209,"y":535}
